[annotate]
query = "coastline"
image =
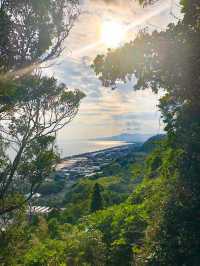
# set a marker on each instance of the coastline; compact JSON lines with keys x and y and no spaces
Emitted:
{"x":68,"y":148}
{"x":96,"y":151}
{"x":89,"y":163}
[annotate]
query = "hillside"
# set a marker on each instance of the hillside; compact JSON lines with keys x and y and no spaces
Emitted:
{"x":114,"y":168}
{"x":127,"y":196}
{"x":115,"y":179}
{"x":152,"y":143}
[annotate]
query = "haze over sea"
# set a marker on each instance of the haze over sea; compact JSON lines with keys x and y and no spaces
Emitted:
{"x":75,"y":147}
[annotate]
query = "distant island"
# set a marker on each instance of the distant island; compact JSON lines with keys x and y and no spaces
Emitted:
{"x":126,"y":137}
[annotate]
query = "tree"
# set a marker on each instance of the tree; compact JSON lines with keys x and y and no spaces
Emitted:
{"x":32,"y":32}
{"x":29,"y":130}
{"x":73,"y":247}
{"x":32,"y":108}
{"x":169,"y":60}
{"x":96,"y":201}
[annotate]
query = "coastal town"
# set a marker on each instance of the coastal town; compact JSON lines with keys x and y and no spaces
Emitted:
{"x":71,"y":169}
{"x":91,"y":164}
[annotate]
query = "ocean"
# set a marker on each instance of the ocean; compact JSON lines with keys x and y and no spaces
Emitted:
{"x":76,"y":147}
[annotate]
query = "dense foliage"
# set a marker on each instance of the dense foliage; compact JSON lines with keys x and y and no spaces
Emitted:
{"x":96,"y":201}
{"x":32,"y":107}
{"x":169,"y":60}
{"x":33,"y":31}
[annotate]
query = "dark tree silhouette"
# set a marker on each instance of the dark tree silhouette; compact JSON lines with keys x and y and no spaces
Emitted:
{"x":96,"y":200}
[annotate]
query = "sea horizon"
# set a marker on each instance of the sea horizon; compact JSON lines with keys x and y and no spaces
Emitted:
{"x":74,"y":147}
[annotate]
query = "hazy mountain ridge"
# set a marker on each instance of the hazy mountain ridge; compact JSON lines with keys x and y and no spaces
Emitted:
{"x":128,"y":137}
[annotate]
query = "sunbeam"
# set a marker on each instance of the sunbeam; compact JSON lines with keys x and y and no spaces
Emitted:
{"x":109,"y":43}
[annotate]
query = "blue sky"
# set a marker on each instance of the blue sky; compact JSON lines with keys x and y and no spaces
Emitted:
{"x":104,"y":112}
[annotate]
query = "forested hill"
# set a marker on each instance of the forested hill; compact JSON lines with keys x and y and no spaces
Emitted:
{"x":96,"y":216}
{"x":151,"y":143}
{"x":71,"y":187}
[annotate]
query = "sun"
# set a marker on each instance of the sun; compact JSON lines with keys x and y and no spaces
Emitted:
{"x":112,"y":33}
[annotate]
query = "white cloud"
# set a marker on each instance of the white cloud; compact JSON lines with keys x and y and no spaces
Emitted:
{"x":104,"y":112}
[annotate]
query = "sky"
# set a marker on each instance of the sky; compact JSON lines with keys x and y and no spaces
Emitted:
{"x":106,"y":112}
